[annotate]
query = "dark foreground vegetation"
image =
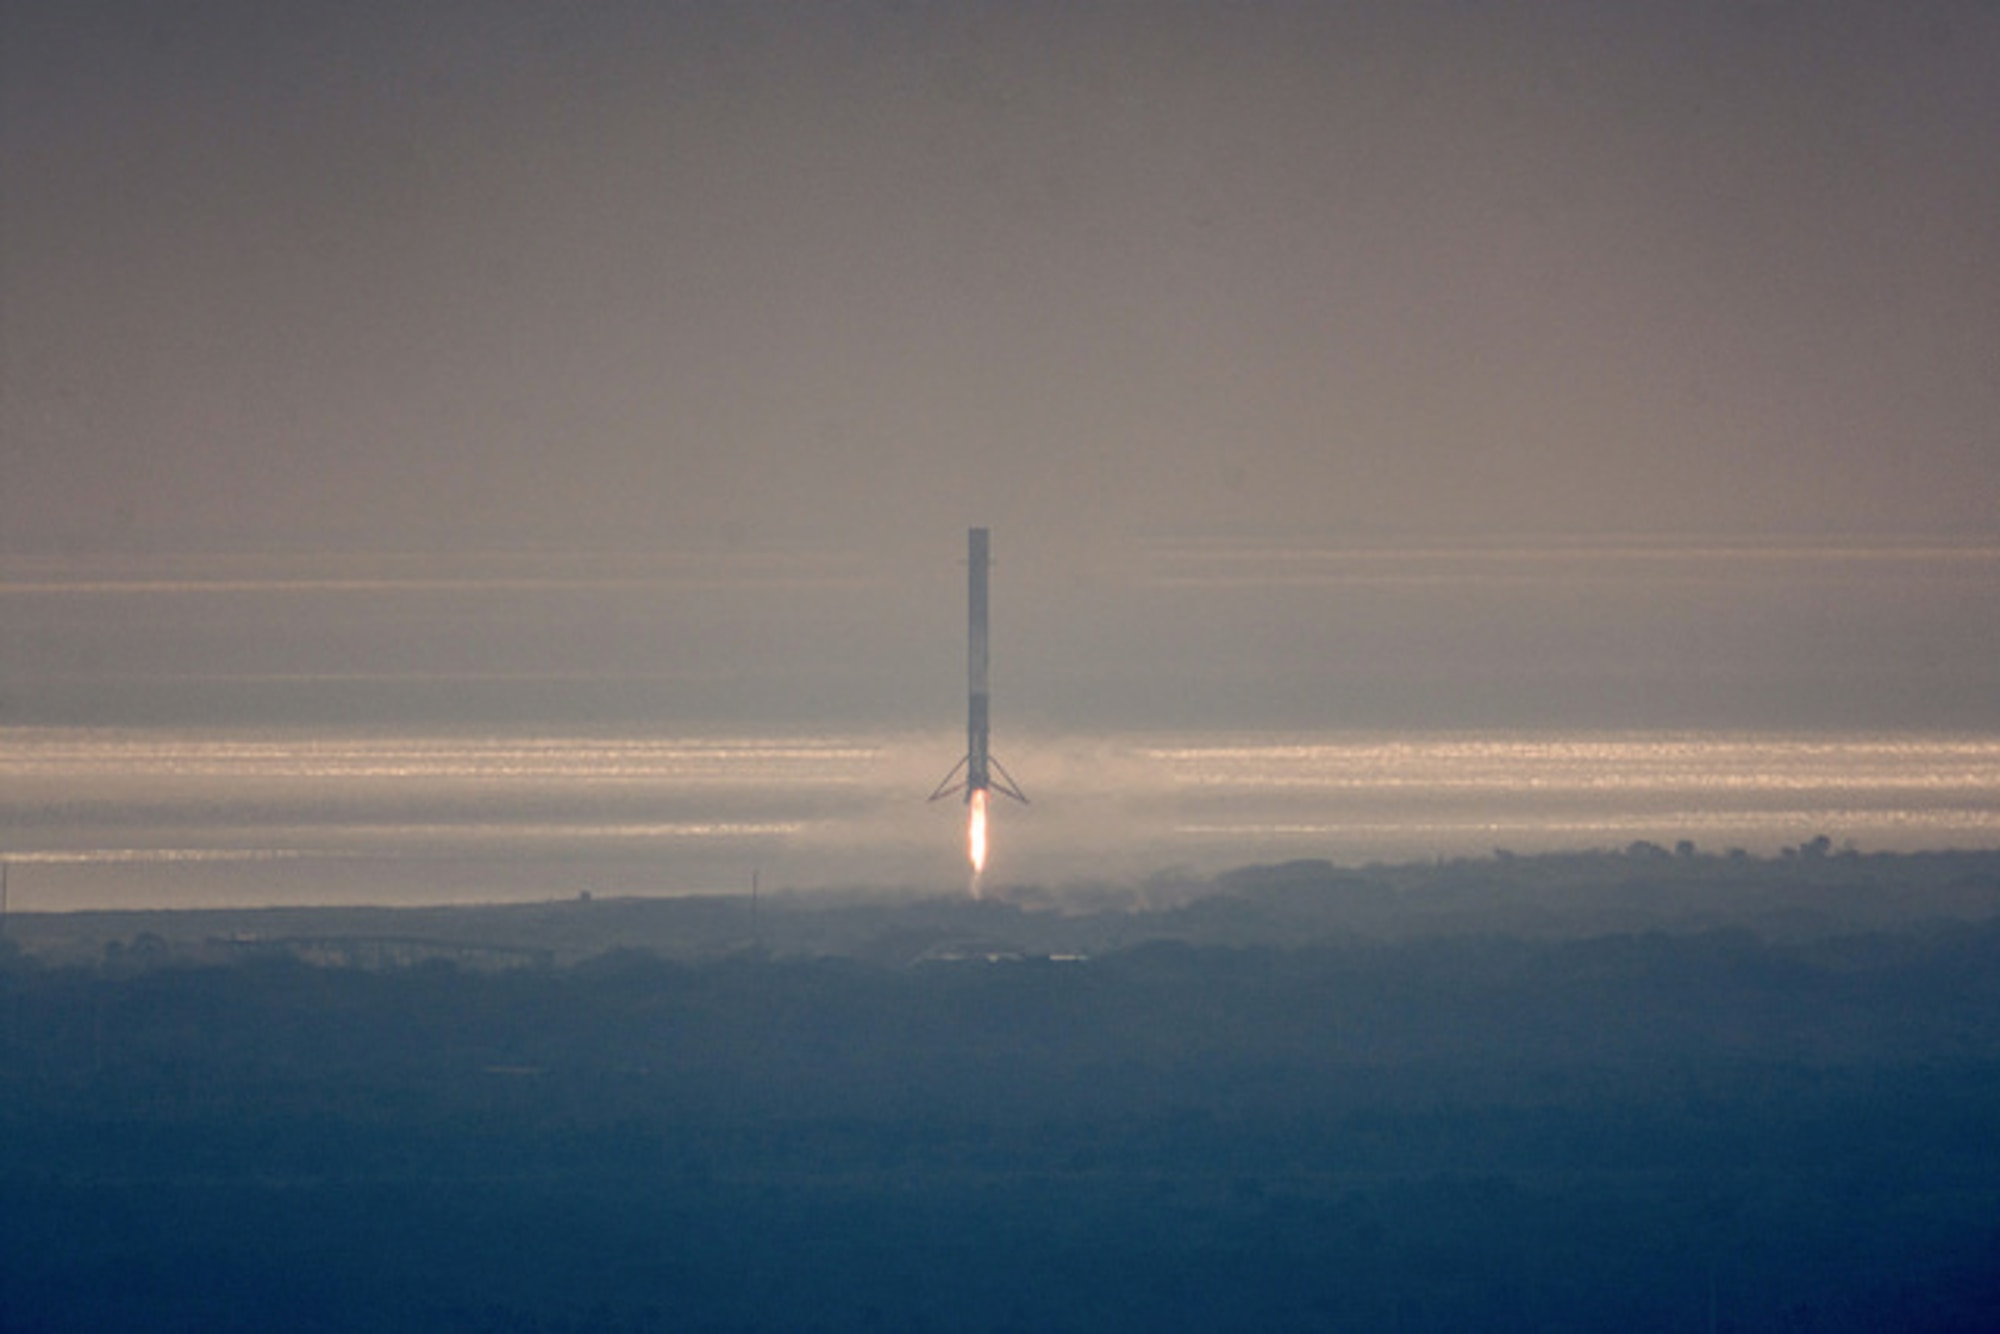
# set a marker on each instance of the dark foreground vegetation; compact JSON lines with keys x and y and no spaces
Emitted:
{"x":1310,"y":1100}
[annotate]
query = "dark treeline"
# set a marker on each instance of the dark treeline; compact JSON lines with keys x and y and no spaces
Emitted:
{"x":1811,"y":892}
{"x":1710,"y":1128}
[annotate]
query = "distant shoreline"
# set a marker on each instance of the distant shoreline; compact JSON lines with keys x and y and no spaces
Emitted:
{"x":1813,"y":891}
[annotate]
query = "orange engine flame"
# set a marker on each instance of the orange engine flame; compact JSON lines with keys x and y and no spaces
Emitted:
{"x":975,"y":830}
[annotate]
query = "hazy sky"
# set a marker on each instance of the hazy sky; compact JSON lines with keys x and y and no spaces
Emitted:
{"x":1119,"y":280}
{"x":638,"y":274}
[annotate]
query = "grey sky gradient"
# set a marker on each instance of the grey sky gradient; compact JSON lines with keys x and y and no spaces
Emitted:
{"x":1313,"y":364}
{"x":437,"y":275}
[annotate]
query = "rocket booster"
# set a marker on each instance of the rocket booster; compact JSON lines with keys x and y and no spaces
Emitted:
{"x":977,"y":771}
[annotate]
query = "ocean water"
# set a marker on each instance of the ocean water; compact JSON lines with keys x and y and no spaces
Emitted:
{"x":420,"y":728}
{"x":210,"y":816}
